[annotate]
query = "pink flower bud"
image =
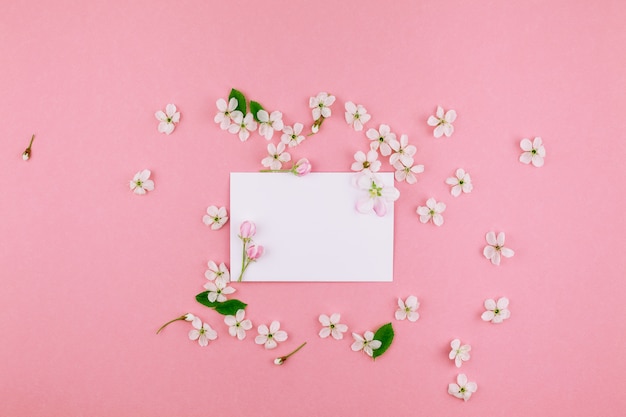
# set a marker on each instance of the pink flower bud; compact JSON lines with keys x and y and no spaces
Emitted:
{"x":303,"y":167}
{"x":247,"y":229}
{"x":254,"y":252}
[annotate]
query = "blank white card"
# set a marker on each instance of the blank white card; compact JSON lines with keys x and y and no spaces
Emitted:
{"x":310,"y":228}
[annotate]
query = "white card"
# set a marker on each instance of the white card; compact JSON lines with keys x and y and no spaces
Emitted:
{"x":310,"y":228}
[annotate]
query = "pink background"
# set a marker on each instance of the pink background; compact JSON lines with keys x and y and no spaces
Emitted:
{"x":90,"y":271}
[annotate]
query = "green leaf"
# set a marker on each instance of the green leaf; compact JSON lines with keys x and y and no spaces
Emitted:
{"x":255,"y":106}
{"x":241,"y":100}
{"x":227,"y":308}
{"x":230,"y":307}
{"x":385,"y":334}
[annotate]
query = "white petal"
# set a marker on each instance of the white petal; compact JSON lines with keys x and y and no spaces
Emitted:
{"x":507,"y":252}
{"x":491,"y":238}
{"x":502,"y":303}
{"x":490,"y":304}
{"x":487,"y":316}
{"x":500,"y":239}
{"x":325,"y":332}
{"x":526,"y":145}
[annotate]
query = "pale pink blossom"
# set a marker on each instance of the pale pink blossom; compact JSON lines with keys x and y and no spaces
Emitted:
{"x":277,"y":156}
{"x":402,"y":151}
{"x":247,"y":229}
{"x":254,"y":252}
{"x":363,"y":162}
{"x":407,"y":172}
{"x":224,"y":114}
{"x":269,"y":123}
{"x":381,"y":138}
{"x":241,"y":125}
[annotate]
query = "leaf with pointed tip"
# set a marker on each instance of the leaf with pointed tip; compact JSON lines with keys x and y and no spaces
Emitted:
{"x":227,"y":308}
{"x":385,"y":334}
{"x":255,"y":106}
{"x":241,"y":100}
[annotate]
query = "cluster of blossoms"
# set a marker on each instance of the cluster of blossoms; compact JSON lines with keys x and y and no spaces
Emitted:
{"x":463,"y":388}
{"x":217,"y":286}
{"x":400,"y":153}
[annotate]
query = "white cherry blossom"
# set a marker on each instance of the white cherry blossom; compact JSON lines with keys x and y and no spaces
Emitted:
{"x":224,"y":113}
{"x":168,"y":119}
{"x":496,"y":249}
{"x":269,"y":123}
{"x":356,"y":116}
{"x":332,"y":327}
{"x":320,"y":105}
{"x":459,"y":353}
{"x":463,"y":388}
{"x":381,"y":138}
{"x":269,"y":337}
{"x":292,"y":135}
{"x":238,"y":324}
{"x":277,"y":156}
{"x":407,"y":172}
{"x":141,"y":182}
{"x":496,"y":311}
{"x":201,"y":332}
{"x":442,"y":122}
{"x":217,"y":272}
{"x":461,"y":182}
{"x":376,"y":195}
{"x":408,"y":309}
{"x":242,"y":126}
{"x":402,"y":151}
{"x":215,"y":217}
{"x":365,"y":343}
{"x":534,"y":151}
{"x":366,"y":163}
{"x":432,"y":212}
{"x":218,"y":290}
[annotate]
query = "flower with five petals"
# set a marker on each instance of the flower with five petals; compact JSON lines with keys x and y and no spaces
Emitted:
{"x":495,"y":248}
{"x":320,"y":105}
{"x":269,"y":123}
{"x":534,"y":151}
{"x":332,"y":327}
{"x":377,"y":195}
{"x":241,"y":125}
{"x":381,"y":138}
{"x":407,"y":172}
{"x":402,"y":151}
{"x":463,"y":388}
{"x":225,"y":111}
{"x":461,"y":182}
{"x":218,"y":290}
{"x":432,"y":211}
{"x":141,"y":182}
{"x":201,"y":332}
{"x":292,"y":135}
{"x":365,"y":343}
{"x":168,"y":119}
{"x":442,"y":122}
{"x":459,"y":353}
{"x":217,"y":273}
{"x":366,"y":163}
{"x":408,"y":309}
{"x":496,"y":311}
{"x":277,"y":156}
{"x":215,"y":217}
{"x":238,"y":325}
{"x":356,"y":116}
{"x":270,"y":336}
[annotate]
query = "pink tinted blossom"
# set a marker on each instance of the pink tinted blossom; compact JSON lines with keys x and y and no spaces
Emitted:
{"x":302,"y":167}
{"x":254,"y":252}
{"x":247,"y":229}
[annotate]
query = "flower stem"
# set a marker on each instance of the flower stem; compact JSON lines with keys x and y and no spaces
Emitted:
{"x":31,"y":141}
{"x":297,"y":349}
{"x":282,"y":359}
{"x":170,"y":322}
{"x":244,"y":255}
{"x":275,"y":170}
